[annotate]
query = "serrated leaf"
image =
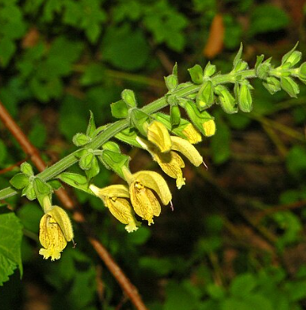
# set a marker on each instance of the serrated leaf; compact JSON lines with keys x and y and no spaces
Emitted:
{"x":10,"y":243}
{"x":19,"y":180}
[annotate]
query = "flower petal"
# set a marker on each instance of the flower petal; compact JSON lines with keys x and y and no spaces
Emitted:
{"x":144,"y":202}
{"x":117,"y":190}
{"x":192,"y":134}
{"x":62,"y":219}
{"x":171,"y":163}
{"x":187,"y":149}
{"x":159,"y":135}
{"x":156,"y":182}
{"x":121,"y":209}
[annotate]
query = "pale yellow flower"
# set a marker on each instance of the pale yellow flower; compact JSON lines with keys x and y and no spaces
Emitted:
{"x":209,"y":128}
{"x":143,"y":186}
{"x":172,"y":163}
{"x":192,"y":134}
{"x":55,"y":230}
{"x":158,"y":134}
{"x":116,"y":199}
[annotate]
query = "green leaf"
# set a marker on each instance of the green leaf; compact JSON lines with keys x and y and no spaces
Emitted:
{"x":38,"y":134}
{"x":94,"y":73}
{"x":116,"y":161}
{"x":128,"y":96}
{"x":139,"y":237}
{"x":296,"y":161}
{"x":86,"y":161}
{"x":94,"y":169}
{"x":267,"y":18}
{"x":112,"y":146}
{"x":75,"y":180}
{"x":29,"y":192}
{"x":7,"y":50}
{"x":179,"y":298}
{"x":19,"y":181}
{"x":10,"y":243}
{"x":125,"y":49}
{"x":119,"y":109}
{"x":27,"y":169}
{"x":196,"y":74}
{"x":238,"y":56}
{"x":3,"y":151}
{"x":243,"y":284}
{"x":90,"y":131}
{"x":42,"y":189}
{"x":30,"y":215}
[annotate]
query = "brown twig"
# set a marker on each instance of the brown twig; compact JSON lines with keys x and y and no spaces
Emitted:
{"x":78,"y":216}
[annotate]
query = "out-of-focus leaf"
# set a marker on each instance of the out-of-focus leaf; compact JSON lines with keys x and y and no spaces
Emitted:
{"x":267,"y":18}
{"x":10,"y":243}
{"x":124,"y":48}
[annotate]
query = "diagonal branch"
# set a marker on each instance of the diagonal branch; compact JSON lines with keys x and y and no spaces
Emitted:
{"x":78,"y":215}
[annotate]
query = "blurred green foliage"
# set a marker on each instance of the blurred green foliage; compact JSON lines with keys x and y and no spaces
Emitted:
{"x":61,"y":58}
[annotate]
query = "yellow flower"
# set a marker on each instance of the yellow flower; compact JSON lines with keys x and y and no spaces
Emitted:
{"x":143,"y":186}
{"x":209,"y":128}
{"x":55,"y":230}
{"x":172,"y":163}
{"x":116,"y":199}
{"x":158,"y":134}
{"x":192,"y":134}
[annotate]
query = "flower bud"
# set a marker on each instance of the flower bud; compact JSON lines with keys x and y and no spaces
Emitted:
{"x":244,"y":97}
{"x":302,"y":72}
{"x":272,"y":84}
{"x":292,"y":57}
{"x":209,"y":70}
{"x":290,"y":86}
{"x":205,"y":97}
{"x":263,"y":68}
{"x":196,"y":74}
{"x":226,"y":99}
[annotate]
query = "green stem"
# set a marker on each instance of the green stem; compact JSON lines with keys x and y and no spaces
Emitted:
{"x":118,"y":126}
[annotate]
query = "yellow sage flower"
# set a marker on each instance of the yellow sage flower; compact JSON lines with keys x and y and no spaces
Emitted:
{"x":116,"y":199}
{"x":158,"y":134}
{"x":209,"y":128}
{"x":55,"y":230}
{"x":172,"y":163}
{"x":143,"y":186}
{"x":192,"y":134}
